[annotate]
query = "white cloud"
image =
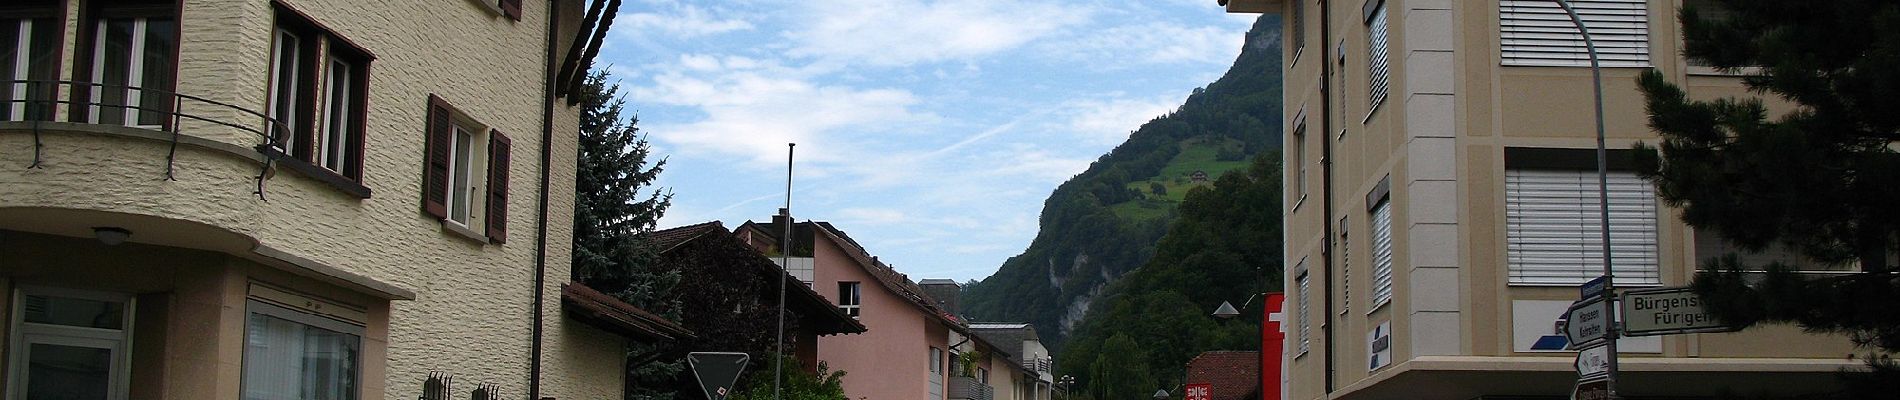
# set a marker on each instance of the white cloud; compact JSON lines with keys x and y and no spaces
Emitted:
{"x":905,"y":32}
{"x":872,"y":216}
{"x":686,"y":22}
{"x":1154,"y":43}
{"x":1110,"y":121}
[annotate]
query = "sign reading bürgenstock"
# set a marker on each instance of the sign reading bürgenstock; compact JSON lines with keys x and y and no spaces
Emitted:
{"x":1664,"y":311}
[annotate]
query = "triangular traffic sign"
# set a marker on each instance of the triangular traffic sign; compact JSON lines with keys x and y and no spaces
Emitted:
{"x":717,"y":372}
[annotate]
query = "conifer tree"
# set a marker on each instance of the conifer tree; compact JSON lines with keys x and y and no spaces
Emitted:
{"x":612,"y":207}
{"x":1821,"y":180}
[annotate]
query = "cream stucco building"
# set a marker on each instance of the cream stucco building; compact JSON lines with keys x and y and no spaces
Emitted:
{"x":341,"y":198}
{"x":1440,"y":203}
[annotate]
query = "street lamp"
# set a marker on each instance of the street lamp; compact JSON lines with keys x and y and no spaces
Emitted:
{"x":1161,"y":394}
{"x":1227,"y":310}
{"x":1064,"y":382}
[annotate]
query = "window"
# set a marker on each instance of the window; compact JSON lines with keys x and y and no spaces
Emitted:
{"x":130,"y":53}
{"x":1298,"y":28}
{"x":1381,"y":254}
{"x":1539,"y":33}
{"x":1345,"y":266}
{"x":454,"y":190}
{"x":1554,"y":232}
{"x":1378,"y":70}
{"x":936,"y":360}
{"x":849,"y":297}
{"x":292,"y":355}
{"x":1305,"y":303}
{"x":319,"y":88}
{"x":29,"y":43}
{"x":1299,"y":159}
{"x":69,"y":345}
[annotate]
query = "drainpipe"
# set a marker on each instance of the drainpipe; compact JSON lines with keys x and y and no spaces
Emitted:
{"x":1326,"y":182}
{"x":541,"y":209}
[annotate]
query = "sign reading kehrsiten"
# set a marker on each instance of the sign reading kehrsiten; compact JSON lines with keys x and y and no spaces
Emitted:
{"x":1664,"y":311}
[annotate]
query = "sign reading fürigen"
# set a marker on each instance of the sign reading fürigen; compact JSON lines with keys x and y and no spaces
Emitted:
{"x":1665,"y":311}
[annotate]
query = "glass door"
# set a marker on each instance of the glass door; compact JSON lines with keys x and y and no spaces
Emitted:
{"x":69,"y":345}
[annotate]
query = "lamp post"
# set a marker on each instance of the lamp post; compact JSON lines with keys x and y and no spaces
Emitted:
{"x":1603,"y":192}
{"x":1064,"y":382}
{"x":1161,"y":394}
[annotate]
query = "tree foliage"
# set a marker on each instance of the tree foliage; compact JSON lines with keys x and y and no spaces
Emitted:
{"x":1083,"y":243}
{"x":1820,"y":180}
{"x":1224,"y":247}
{"x":797,"y":384}
{"x":611,"y":211}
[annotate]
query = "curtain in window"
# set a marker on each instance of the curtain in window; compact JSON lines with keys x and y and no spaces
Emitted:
{"x":286,"y":360}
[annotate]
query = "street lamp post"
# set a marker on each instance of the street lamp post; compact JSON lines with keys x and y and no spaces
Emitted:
{"x":1603,"y":192}
{"x":1064,"y":382}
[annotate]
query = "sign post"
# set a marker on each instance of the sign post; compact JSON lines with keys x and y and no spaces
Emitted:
{"x":1594,"y":389}
{"x":1593,"y":363}
{"x":716,"y":372}
{"x":1666,"y":311}
{"x":1587,"y":323}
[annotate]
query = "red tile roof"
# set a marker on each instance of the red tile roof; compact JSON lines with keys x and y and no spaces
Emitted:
{"x":819,"y":315}
{"x":1234,"y":375}
{"x":611,"y":314}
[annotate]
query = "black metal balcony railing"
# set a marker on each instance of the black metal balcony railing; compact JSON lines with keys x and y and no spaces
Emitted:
{"x":40,"y":101}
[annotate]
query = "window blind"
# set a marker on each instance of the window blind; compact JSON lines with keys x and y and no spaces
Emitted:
{"x":1539,"y":33}
{"x":1381,"y":254}
{"x":1554,"y":233}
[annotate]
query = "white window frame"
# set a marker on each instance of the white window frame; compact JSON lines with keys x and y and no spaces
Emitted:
{"x":1381,"y":254}
{"x":1553,"y":228}
{"x":1539,"y":33}
{"x":23,"y":334}
{"x":284,"y":79}
{"x":463,"y":196}
{"x":853,"y":304}
{"x":259,"y":307}
{"x":22,"y":64}
{"x":333,"y":147}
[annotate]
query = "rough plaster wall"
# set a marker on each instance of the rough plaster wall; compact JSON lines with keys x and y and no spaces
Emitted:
{"x":472,"y":313}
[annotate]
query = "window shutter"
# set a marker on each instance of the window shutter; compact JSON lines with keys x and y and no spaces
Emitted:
{"x":512,"y":8}
{"x":1381,"y":254}
{"x":498,"y":156}
{"x":1539,"y":33}
{"x":1300,"y":284}
{"x":1554,"y":234}
{"x":1378,"y":74}
{"x":435,"y":172}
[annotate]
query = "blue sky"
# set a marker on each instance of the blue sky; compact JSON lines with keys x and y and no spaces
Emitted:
{"x":929,"y":130}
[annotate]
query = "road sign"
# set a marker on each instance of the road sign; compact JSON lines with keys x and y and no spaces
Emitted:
{"x":1198,"y":391}
{"x":1593,"y":362}
{"x":1593,"y":288}
{"x":716,"y":371}
{"x":1591,"y":389}
{"x":1587,"y":323}
{"x":1666,"y":311}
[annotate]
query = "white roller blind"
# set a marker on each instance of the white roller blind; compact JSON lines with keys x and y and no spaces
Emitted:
{"x":1305,"y":305}
{"x":1538,"y":33}
{"x":1381,"y":254}
{"x":1554,"y":233}
{"x":1378,"y":73}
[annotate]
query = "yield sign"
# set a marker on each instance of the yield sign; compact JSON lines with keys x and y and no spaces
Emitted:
{"x":717,"y":371}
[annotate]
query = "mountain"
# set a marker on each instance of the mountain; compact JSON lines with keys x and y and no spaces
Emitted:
{"x":1106,"y":220}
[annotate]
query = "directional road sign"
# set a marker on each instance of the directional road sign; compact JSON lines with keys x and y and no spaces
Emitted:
{"x":1665,"y":311}
{"x":1593,"y":288}
{"x":717,"y":371}
{"x":1593,"y":389}
{"x":1587,"y":323}
{"x":1593,"y":362}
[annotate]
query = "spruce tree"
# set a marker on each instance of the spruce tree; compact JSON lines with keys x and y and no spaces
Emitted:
{"x":612,"y":207}
{"x":1821,"y":180}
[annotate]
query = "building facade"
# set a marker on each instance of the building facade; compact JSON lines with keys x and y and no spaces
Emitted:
{"x":905,"y":354}
{"x":1029,"y":363}
{"x":238,"y":199}
{"x":1441,"y":203}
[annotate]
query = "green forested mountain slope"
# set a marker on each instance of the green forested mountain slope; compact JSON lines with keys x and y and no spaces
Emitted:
{"x":1144,"y":327}
{"x":1106,"y":220}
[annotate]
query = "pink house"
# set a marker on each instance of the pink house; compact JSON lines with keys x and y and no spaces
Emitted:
{"x":904,"y":354}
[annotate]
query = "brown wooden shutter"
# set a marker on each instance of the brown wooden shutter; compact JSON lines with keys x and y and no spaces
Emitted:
{"x":498,"y":157}
{"x":512,"y":8}
{"x":435,"y":171}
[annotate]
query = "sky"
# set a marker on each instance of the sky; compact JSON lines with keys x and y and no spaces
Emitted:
{"x":930,"y":131}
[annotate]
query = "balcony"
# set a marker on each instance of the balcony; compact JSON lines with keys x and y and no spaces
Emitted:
{"x":42,"y":107}
{"x":967,"y":388}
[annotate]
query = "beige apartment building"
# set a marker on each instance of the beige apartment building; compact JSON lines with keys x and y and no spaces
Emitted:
{"x":295,"y":199}
{"x":1441,"y":204}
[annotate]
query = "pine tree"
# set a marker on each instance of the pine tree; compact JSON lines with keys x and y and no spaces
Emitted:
{"x":1821,"y":180}
{"x":610,"y":212}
